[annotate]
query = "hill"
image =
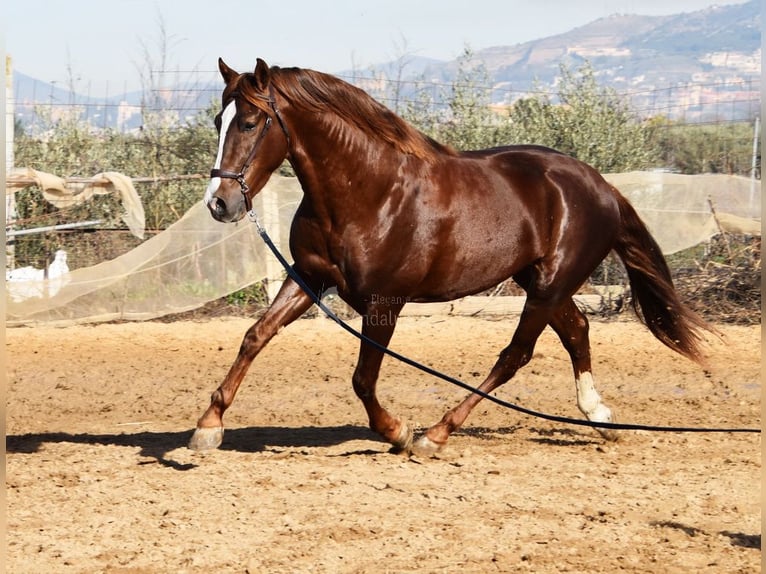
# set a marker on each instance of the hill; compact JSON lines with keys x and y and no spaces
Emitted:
{"x":679,"y":57}
{"x":688,"y":64}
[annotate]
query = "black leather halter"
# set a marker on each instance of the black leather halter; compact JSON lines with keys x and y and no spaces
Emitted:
{"x":240,"y":175}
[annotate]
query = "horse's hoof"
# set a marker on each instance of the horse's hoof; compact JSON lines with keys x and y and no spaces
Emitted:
{"x":425,"y":447}
{"x":609,"y":434}
{"x":208,"y":438}
{"x":404,"y":441}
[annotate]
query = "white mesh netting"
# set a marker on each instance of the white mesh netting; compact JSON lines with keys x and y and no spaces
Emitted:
{"x":198,"y":260}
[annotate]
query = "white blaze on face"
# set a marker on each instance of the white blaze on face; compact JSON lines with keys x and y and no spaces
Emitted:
{"x":226,"y":118}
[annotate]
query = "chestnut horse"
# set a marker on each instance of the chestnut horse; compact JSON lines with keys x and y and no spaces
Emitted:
{"x":389,"y":216}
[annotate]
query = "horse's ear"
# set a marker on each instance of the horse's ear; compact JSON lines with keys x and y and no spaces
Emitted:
{"x":227,"y":73}
{"x":261,"y":73}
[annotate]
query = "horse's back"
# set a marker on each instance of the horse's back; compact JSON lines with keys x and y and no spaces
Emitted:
{"x":546,"y":179}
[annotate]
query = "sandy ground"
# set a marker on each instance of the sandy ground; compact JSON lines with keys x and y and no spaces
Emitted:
{"x":99,"y":478}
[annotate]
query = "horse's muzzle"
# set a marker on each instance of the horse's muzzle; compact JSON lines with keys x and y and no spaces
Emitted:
{"x":225,"y":213}
{"x":218,"y":208}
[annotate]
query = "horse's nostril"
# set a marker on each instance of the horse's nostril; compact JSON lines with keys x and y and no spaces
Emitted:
{"x":220,"y":206}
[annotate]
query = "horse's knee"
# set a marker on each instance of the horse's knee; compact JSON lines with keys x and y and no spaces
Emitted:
{"x":256,"y":338}
{"x":513,"y":357}
{"x":362,"y":387}
{"x":250,"y":345}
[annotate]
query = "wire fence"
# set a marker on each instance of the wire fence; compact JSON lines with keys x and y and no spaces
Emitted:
{"x":181,"y":95}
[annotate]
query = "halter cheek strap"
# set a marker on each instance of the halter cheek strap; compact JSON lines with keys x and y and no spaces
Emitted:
{"x":240,"y":176}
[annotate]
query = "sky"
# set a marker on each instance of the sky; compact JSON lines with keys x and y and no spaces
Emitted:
{"x":102,"y":46}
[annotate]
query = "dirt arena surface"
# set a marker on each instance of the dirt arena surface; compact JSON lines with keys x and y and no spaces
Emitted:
{"x":99,"y":478}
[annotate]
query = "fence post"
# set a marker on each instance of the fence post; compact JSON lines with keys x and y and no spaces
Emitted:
{"x":756,"y":133}
{"x":10,"y":198}
{"x":270,"y":215}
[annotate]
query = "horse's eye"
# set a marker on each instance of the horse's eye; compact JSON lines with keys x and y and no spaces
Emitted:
{"x":248,"y":127}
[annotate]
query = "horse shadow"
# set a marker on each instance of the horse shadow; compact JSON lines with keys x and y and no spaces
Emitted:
{"x":736,"y":538}
{"x":157,"y":445}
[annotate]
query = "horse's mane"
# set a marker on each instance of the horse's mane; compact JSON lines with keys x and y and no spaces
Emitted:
{"x":323,"y":93}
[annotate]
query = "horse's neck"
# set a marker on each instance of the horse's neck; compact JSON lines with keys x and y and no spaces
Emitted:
{"x":337,"y":164}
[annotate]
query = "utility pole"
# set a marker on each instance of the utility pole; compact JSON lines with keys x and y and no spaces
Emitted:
{"x":10,"y":201}
{"x":756,"y":133}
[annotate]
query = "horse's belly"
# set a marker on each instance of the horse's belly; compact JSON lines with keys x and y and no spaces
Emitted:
{"x":475,"y":267}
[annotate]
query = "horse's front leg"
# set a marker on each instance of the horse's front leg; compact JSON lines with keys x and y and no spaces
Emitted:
{"x":378,"y":324}
{"x":290,"y":303}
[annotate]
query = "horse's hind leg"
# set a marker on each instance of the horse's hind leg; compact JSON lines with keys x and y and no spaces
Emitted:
{"x":534,"y":319}
{"x":571,"y":326}
{"x":290,"y":303}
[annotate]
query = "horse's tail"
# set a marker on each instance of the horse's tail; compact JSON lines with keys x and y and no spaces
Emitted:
{"x":655,"y":299}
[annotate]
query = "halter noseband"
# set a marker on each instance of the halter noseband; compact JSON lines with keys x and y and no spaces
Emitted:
{"x":239,"y":177}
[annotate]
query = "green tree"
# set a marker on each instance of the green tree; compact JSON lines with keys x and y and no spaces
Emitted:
{"x":471,"y":123}
{"x":466,"y":120}
{"x":707,"y":148}
{"x":588,"y":121}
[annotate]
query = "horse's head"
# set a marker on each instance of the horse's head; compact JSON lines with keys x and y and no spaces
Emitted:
{"x":249,"y":150}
